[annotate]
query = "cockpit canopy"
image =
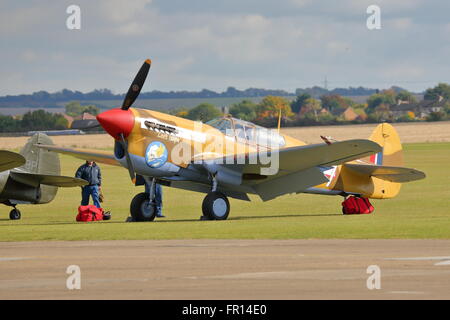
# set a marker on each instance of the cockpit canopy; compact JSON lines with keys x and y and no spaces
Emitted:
{"x":248,"y":132}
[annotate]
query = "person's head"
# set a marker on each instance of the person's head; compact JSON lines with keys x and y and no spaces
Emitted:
{"x":90,"y":162}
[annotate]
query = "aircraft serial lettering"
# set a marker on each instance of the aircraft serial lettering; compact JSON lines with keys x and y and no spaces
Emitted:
{"x":167,"y":136}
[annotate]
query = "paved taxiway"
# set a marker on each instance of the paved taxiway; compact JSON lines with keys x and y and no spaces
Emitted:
{"x":226,"y":269}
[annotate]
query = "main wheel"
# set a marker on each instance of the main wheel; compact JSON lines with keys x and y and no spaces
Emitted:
{"x":216,"y":206}
{"x":14,"y":214}
{"x":141,"y":209}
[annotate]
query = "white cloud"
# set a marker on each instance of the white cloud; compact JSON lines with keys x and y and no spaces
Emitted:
{"x":122,"y":11}
{"x":401,"y":23}
{"x":283,"y":44}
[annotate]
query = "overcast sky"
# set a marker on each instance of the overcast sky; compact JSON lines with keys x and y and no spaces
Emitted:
{"x":213,"y":44}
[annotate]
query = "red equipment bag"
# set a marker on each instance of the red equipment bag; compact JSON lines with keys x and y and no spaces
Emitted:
{"x":89,"y":213}
{"x":357,"y":205}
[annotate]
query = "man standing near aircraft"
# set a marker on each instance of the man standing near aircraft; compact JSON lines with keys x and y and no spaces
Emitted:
{"x":158,"y":198}
{"x":90,"y":172}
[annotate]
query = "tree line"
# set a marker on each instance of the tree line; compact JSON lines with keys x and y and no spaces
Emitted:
{"x":50,"y":99}
{"x":33,"y":121}
{"x":42,"y":120}
{"x":301,"y":111}
{"x":327,"y":109}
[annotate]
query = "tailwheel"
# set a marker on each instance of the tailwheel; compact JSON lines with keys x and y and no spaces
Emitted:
{"x":14,"y":214}
{"x":216,"y":206}
{"x":142,"y":209}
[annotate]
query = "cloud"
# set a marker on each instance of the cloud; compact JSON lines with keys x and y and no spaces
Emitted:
{"x":122,"y":11}
{"x":195,"y":44}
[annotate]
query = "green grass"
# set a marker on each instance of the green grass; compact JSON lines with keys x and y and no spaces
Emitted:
{"x":420,"y":211}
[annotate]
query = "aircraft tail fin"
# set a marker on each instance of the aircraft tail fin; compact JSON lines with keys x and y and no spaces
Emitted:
{"x":41,"y":161}
{"x":387,"y":137}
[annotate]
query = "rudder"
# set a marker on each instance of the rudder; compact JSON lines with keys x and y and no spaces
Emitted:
{"x":387,"y":137}
{"x":41,"y":161}
{"x":391,"y":155}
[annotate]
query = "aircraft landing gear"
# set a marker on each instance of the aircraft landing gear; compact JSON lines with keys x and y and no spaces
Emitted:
{"x":143,"y":207}
{"x":14,"y":214}
{"x":215,"y":205}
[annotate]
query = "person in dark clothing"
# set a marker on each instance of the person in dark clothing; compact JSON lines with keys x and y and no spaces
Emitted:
{"x":90,"y":172}
{"x":158,"y":198}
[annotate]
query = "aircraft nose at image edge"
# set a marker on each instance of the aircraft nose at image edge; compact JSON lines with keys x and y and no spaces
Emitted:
{"x":116,"y":122}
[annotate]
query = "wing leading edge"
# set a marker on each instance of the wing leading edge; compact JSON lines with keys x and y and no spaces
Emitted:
{"x":35,"y":179}
{"x":10,"y":160}
{"x":84,"y":154}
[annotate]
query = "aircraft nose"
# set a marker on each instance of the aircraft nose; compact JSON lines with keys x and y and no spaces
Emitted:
{"x":117,"y":121}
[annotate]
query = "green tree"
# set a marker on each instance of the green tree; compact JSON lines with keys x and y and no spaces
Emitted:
{"x":270,"y":107}
{"x":406,"y":96}
{"x":333,"y":102}
{"x":8,"y":124}
{"x":311,"y":109}
{"x":42,"y":120}
{"x":245,"y":110}
{"x":436,"y":116}
{"x":204,"y":112}
{"x":75,"y":109}
{"x":442,"y":89}
{"x":94,"y":110}
{"x":386,"y":97}
{"x":299,"y":102}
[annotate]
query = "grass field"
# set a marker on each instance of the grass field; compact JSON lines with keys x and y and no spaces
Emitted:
{"x":420,"y":211}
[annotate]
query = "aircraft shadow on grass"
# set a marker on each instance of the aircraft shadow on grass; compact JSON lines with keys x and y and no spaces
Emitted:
{"x":184,"y":220}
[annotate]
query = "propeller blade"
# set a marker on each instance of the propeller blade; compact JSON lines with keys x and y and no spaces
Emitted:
{"x":136,"y":85}
{"x":127,"y":155}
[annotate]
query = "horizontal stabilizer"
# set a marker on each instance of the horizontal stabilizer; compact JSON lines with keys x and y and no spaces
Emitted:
{"x":10,"y":160}
{"x":35,"y":179}
{"x":84,"y":154}
{"x":392,"y":174}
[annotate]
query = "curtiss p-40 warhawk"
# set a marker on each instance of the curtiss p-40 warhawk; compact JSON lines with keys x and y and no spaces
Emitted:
{"x":31,"y":176}
{"x":228,"y":157}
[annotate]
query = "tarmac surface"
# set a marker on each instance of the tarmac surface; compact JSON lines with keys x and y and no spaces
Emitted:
{"x":226,"y":269}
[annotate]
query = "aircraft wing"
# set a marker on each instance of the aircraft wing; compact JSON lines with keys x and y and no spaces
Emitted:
{"x":298,"y":167}
{"x":392,"y":174}
{"x":35,"y":179}
{"x":84,"y":154}
{"x":10,"y":160}
{"x":304,"y":157}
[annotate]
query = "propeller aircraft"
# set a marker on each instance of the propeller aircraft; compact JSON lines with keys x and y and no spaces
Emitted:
{"x":31,"y":176}
{"x":228,"y":157}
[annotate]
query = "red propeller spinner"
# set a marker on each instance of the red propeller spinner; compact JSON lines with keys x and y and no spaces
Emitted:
{"x":116,"y":122}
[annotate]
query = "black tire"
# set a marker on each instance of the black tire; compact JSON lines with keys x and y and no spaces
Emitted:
{"x":216,"y":206}
{"x":140,"y":209}
{"x":14,"y":214}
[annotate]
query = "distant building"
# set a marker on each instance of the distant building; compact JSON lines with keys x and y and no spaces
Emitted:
{"x":421,"y":109}
{"x":349,"y":114}
{"x":86,"y":120}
